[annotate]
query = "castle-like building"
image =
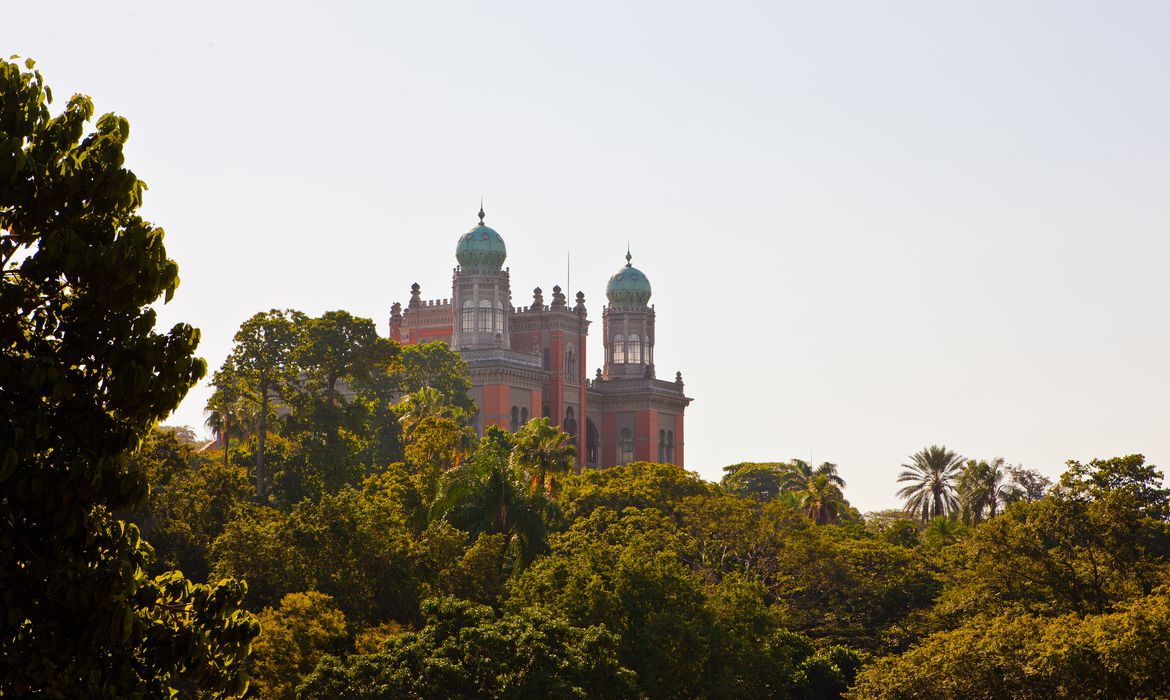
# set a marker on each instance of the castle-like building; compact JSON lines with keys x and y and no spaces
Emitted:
{"x":530,"y":361}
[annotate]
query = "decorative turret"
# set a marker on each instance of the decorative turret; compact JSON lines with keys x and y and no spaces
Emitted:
{"x":629,"y":325}
{"x":480,"y":290}
{"x":481,"y":249}
{"x":629,"y":287}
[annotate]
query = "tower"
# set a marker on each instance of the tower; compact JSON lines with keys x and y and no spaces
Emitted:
{"x":481,"y":295}
{"x":641,"y":416}
{"x":628,"y":325}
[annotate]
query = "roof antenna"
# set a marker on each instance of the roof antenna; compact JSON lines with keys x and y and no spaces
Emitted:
{"x":481,"y":211}
{"x":568,"y":272}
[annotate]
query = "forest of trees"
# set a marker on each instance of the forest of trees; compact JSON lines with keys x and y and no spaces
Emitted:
{"x":351,"y":536}
{"x":393,"y":553}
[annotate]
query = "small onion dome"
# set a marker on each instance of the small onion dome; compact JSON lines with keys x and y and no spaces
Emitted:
{"x":481,"y":249}
{"x":628,"y":287}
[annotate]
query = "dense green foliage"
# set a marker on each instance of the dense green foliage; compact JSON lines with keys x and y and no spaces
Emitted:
{"x":83,"y":377}
{"x":465,"y":567}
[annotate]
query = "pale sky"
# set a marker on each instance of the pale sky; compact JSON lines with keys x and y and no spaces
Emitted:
{"x":870,"y":226}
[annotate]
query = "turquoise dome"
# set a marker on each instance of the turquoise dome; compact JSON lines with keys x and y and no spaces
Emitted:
{"x":481,"y":249}
{"x":628,"y":287}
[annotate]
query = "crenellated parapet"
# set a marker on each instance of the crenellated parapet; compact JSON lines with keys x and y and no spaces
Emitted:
{"x":423,"y":320}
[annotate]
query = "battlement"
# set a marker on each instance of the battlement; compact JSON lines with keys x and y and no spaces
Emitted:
{"x":431,"y":303}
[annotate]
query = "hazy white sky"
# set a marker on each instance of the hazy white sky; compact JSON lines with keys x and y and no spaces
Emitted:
{"x":870,"y":226}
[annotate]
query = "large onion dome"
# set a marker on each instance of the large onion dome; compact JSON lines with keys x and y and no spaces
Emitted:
{"x":481,"y":249}
{"x":628,"y":287}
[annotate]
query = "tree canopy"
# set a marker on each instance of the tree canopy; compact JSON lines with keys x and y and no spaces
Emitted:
{"x":85,"y":376}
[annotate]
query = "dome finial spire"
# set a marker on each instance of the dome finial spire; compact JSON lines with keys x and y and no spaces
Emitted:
{"x":629,"y":257}
{"x":481,"y":211}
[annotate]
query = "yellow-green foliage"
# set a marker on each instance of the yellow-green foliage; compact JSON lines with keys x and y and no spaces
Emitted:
{"x":293,"y":638}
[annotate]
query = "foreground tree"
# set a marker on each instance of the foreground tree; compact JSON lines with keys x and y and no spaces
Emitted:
{"x":84,"y":376}
{"x":931,"y":474}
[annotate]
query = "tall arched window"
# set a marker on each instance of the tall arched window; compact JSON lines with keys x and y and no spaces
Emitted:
{"x":524,"y":416}
{"x":634,"y":350}
{"x":485,"y":316}
{"x":570,"y":365}
{"x":570,"y":424}
{"x":468,"y":316}
{"x":499,"y":317}
{"x":670,"y":447}
{"x":515,"y":424}
{"x":619,"y":349}
{"x":626,"y":446}
{"x":662,"y":446}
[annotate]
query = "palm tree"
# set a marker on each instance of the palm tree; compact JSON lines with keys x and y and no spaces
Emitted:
{"x":542,"y":451}
{"x":489,"y":494}
{"x":427,"y":402}
{"x":230,"y":414}
{"x":984,"y":487}
{"x":942,"y":531}
{"x":821,"y":499}
{"x":931,"y":492}
{"x":801,"y":471}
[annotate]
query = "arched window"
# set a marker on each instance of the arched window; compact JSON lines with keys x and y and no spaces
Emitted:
{"x":619,"y":349}
{"x":515,"y":424}
{"x":634,"y":350}
{"x":570,"y":365}
{"x":485,"y":316}
{"x":570,"y":424}
{"x":662,"y":446}
{"x":592,"y":442}
{"x":499,"y":317}
{"x":468,"y":316}
{"x":546,"y":359}
{"x":626,"y":446}
{"x":670,"y":447}
{"x":524,"y":416}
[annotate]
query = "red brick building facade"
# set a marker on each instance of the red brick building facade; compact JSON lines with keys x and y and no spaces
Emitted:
{"x":530,"y":361}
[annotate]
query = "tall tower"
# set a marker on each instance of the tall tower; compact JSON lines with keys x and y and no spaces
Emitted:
{"x":628,"y":325}
{"x":481,"y":294}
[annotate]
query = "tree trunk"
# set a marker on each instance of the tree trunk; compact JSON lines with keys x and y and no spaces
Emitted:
{"x":227,"y":438}
{"x":262,"y":430}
